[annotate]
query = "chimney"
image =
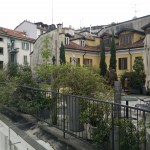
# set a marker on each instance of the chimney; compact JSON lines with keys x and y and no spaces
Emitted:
{"x":59,"y":27}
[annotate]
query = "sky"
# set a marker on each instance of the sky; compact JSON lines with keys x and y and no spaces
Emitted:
{"x":74,"y":13}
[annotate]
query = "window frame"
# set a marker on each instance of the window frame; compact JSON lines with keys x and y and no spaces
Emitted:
{"x":24,"y":46}
{"x":88,"y":62}
{"x":66,"y":40}
{"x":25,"y":59}
{"x":1,"y":39}
{"x":1,"y":48}
{"x":123,"y":63}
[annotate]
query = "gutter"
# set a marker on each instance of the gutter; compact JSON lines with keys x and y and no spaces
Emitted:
{"x":83,"y":57}
{"x":130,"y":60}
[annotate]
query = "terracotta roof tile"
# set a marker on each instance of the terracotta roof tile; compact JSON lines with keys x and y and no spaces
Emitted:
{"x":84,"y":48}
{"x":15,"y":34}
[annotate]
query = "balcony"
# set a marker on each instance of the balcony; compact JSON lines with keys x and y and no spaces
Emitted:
{"x":11,"y":48}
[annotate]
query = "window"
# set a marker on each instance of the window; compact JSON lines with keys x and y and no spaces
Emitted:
{"x":82,"y":43}
{"x":122,"y":63}
{"x":25,"y":59}
{"x":87,"y":62}
{"x":139,"y":57}
{"x":1,"y":50}
{"x":12,"y":58}
{"x":1,"y":39}
{"x":66,"y":40}
{"x":125,"y":39}
{"x":1,"y":64}
{"x":25,"y":46}
{"x":107,"y":42}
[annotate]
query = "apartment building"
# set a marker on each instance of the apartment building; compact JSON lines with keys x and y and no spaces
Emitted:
{"x":15,"y":47}
{"x":34,"y":30}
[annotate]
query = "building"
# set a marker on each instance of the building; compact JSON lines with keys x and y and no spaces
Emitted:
{"x":81,"y":48}
{"x":146,"y":28}
{"x":33,"y":30}
{"x":129,"y":46}
{"x":15,"y":47}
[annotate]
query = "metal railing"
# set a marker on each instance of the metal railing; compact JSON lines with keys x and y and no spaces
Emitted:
{"x":102,"y":123}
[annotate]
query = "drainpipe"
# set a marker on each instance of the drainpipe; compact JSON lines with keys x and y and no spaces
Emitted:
{"x":130,"y":60}
{"x":83,"y":57}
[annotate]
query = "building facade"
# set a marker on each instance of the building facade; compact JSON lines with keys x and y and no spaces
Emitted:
{"x":146,"y":28}
{"x":82,"y":47}
{"x":33,"y":30}
{"x":15,"y":47}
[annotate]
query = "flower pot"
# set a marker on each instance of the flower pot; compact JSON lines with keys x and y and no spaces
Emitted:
{"x":74,"y":108}
{"x":90,"y":130}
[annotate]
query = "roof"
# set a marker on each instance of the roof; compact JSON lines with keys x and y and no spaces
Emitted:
{"x":130,"y":30}
{"x":14,"y":34}
{"x":111,"y":25}
{"x":146,"y":26}
{"x":137,"y":44}
{"x":23,"y":22}
{"x":75,"y":46}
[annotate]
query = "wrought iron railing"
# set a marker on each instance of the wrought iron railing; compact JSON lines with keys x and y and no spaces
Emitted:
{"x":102,"y":123}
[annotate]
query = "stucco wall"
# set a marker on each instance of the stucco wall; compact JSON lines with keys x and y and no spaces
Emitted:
{"x":29,"y":28}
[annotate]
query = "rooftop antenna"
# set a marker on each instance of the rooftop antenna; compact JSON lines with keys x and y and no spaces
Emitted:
{"x":52,"y":11}
{"x":135,"y":11}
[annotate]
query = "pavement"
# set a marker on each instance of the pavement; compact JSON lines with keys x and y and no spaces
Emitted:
{"x":141,"y":99}
{"x":48,"y":136}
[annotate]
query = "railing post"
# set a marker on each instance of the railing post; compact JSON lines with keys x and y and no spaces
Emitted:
{"x":64,"y":112}
{"x":112,"y":117}
{"x":117,"y":99}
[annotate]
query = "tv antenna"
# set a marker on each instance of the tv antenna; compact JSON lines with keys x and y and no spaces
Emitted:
{"x":52,"y":11}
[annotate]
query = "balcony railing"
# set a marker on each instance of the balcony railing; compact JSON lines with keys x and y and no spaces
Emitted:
{"x":11,"y":48}
{"x":88,"y":119}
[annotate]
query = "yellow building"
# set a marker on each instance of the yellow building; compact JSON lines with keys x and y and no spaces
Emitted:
{"x":85,"y":49}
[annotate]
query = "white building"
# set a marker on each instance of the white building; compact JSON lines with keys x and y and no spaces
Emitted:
{"x":146,"y":28}
{"x":33,"y":30}
{"x":15,"y":47}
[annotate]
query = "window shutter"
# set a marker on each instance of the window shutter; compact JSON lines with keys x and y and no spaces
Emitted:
{"x":119,"y":63}
{"x":70,"y":59}
{"x":125,"y":63}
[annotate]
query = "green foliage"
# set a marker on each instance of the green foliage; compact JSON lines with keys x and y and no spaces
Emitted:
{"x":103,"y":66}
{"x":102,"y":134}
{"x":62,"y":54}
{"x":12,"y":69}
{"x":113,"y":54}
{"x":80,"y":81}
{"x":22,"y":76}
{"x":2,"y":76}
{"x":138,"y":65}
{"x":128,"y":134}
{"x":137,"y":77}
{"x":45,"y":50}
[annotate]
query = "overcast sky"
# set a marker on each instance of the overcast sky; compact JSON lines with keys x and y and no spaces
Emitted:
{"x":77,"y":13}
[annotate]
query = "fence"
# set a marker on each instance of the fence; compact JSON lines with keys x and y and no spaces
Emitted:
{"x":102,"y":123}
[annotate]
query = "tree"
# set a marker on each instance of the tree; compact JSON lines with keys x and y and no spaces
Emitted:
{"x":62,"y":54}
{"x":138,"y":65}
{"x":45,"y":50}
{"x":113,"y":54}
{"x":103,"y":66}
